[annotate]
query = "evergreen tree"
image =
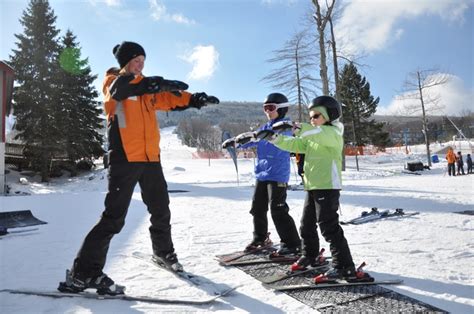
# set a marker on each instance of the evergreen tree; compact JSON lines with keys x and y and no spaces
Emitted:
{"x":35,"y":64}
{"x":378,"y":136}
{"x":360,"y":106}
{"x":79,"y":118}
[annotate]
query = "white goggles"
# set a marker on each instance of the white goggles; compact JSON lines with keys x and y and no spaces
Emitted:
{"x":270,"y":107}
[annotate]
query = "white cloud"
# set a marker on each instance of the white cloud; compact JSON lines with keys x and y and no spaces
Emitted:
{"x":398,"y":33}
{"x":109,"y":3}
{"x":205,"y":60}
{"x":159,"y":13}
{"x":454,"y":99}
{"x":369,"y":25}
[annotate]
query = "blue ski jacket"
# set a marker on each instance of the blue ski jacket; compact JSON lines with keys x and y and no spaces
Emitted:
{"x":273,"y":164}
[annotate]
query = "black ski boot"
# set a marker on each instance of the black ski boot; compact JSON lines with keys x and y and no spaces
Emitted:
{"x":309,"y":261}
{"x":258,"y":243}
{"x":169,"y":260}
{"x":349,"y":274}
{"x":103,"y":284}
{"x":286,"y":251}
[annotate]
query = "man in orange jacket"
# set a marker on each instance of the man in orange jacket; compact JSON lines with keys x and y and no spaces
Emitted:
{"x":451,"y":158}
{"x":131,"y":100}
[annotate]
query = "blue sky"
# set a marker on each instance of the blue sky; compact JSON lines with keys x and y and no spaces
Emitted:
{"x":220,"y":46}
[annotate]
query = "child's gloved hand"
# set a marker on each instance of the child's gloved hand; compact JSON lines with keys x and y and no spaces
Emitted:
{"x":268,"y":135}
{"x":244,"y":138}
{"x":230,"y":142}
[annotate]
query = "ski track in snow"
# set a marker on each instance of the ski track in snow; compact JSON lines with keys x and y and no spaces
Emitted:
{"x":433,"y":252}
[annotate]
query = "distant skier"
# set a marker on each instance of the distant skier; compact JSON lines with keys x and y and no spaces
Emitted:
{"x":272,"y":172}
{"x":460,"y":164}
{"x":322,"y":143}
{"x":131,"y":100}
{"x":451,"y":158}
{"x":469,"y":163}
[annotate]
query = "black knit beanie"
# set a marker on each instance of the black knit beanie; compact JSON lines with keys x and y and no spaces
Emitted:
{"x":126,"y":51}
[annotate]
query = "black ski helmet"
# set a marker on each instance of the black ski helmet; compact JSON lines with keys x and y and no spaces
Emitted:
{"x":332,"y":106}
{"x":277,"y":98}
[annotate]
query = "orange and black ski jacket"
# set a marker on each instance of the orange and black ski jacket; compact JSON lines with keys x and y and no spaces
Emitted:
{"x":132,"y":125}
{"x":450,"y":157}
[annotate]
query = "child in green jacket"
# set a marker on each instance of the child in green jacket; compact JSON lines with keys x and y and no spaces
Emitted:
{"x":321,"y":142}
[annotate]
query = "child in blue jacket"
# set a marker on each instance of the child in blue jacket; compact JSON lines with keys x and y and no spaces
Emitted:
{"x":272,"y":172}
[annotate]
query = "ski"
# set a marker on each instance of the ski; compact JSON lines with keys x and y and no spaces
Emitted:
{"x":268,"y":260}
{"x":366,"y":217}
{"x":4,"y":232}
{"x":187,"y":276}
{"x":227,"y":258}
{"x":288,"y":274}
{"x":19,"y":218}
{"x":399,"y":213}
{"x":365,"y":297}
{"x":337,"y":283}
{"x":376,"y":215}
{"x":123,"y":297}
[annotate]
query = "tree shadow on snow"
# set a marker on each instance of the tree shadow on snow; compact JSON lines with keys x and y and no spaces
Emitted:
{"x":383,"y":199}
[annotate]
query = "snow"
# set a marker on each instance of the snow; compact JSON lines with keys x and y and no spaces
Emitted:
{"x":433,"y":252}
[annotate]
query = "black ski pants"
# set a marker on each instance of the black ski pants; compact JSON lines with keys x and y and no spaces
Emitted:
{"x":123,"y":178}
{"x":273,"y":193}
{"x":320,"y":208}
{"x":451,"y":168}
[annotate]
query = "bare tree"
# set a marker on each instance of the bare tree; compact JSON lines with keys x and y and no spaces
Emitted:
{"x":298,"y":60}
{"x":416,"y":87}
{"x":201,"y":134}
{"x":236,"y":128}
{"x":332,"y":42}
{"x":322,"y":18}
{"x":321,"y":23}
{"x":209,"y":140}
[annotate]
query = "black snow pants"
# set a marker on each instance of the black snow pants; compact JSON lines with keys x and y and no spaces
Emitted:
{"x":451,"y":168}
{"x":274,"y":193}
{"x":123,"y":178}
{"x":320,"y":208}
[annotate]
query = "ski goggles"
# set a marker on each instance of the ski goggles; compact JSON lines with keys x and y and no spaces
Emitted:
{"x":270,"y":107}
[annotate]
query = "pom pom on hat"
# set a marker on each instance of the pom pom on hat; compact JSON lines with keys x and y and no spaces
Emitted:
{"x":126,"y":51}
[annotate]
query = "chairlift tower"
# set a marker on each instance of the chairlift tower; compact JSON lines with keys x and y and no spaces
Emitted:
{"x":461,"y":134}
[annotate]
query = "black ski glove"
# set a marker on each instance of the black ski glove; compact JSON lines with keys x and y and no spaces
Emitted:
{"x":156,"y":84}
{"x":283,"y":126}
{"x":120,"y":89}
{"x":199,"y":100}
{"x":267,"y":135}
{"x":230,"y":142}
{"x":244,"y":138}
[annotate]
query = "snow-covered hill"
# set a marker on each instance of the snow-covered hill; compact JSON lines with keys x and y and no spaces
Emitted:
{"x":432,"y":252}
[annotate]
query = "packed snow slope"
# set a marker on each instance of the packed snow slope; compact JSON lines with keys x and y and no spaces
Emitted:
{"x":433,"y":252}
